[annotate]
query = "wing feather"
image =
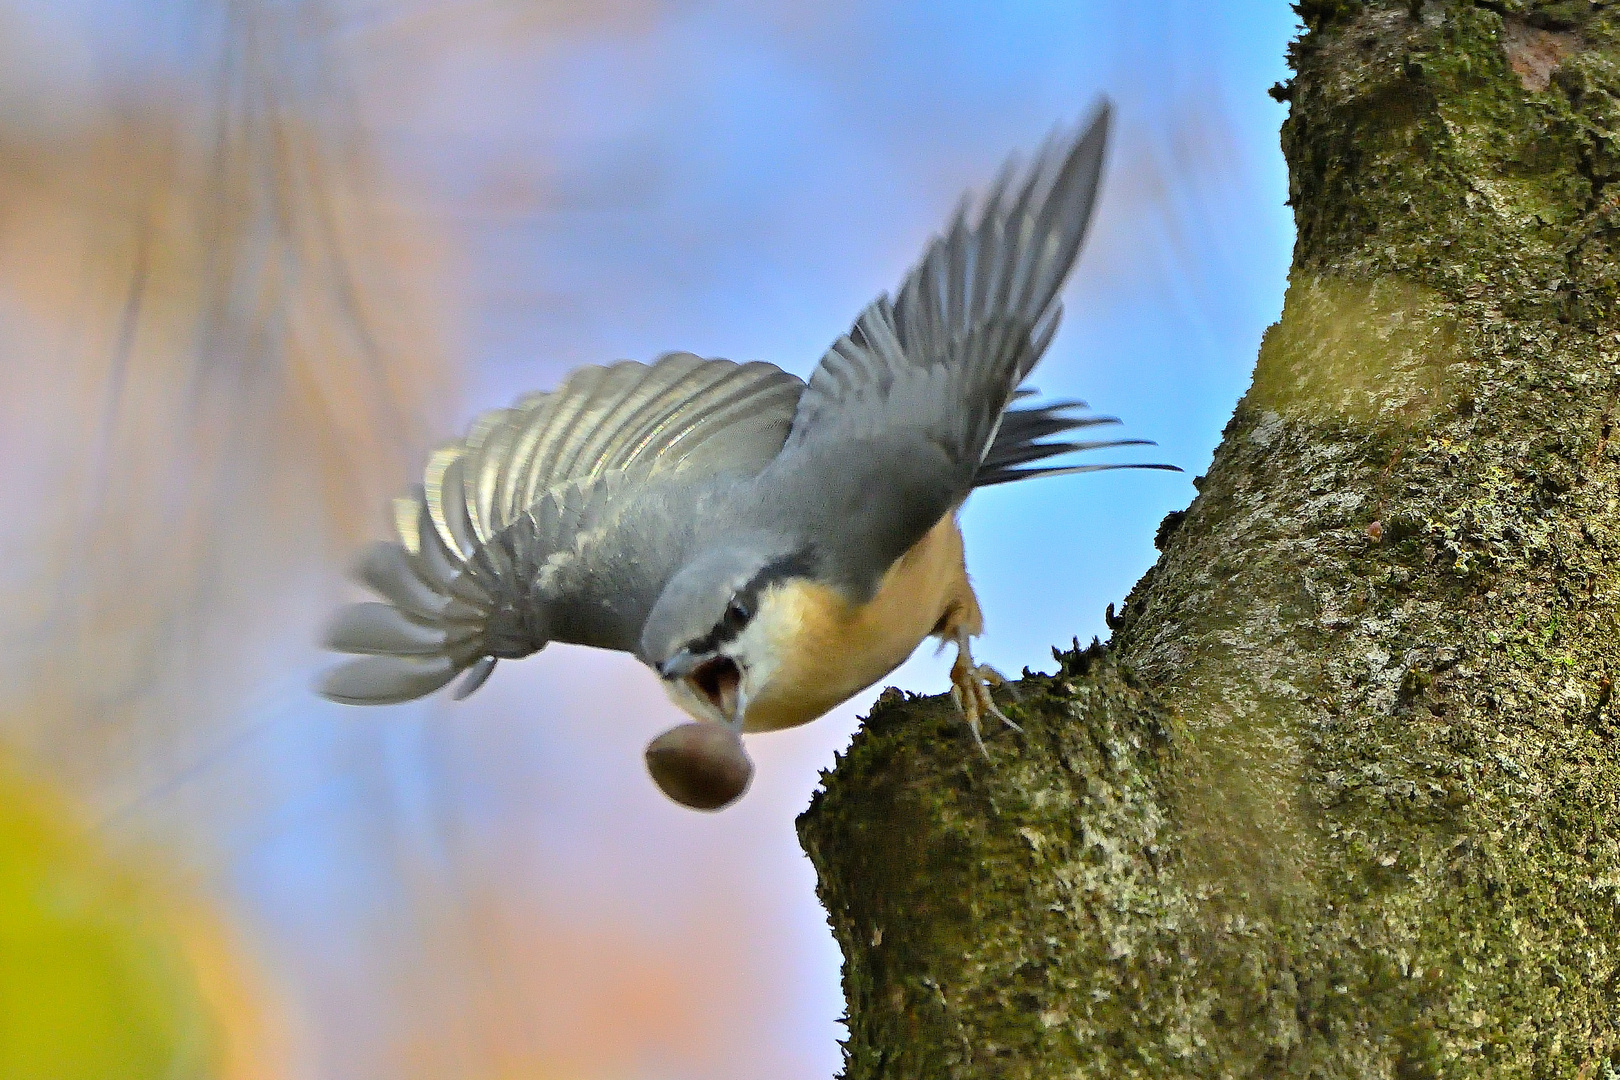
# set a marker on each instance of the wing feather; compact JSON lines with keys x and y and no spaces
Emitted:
{"x":971,"y":319}
{"x":382,"y":629}
{"x":386,"y":569}
{"x":387,"y":680}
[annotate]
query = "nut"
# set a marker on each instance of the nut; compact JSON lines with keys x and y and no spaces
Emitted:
{"x":700,"y":765}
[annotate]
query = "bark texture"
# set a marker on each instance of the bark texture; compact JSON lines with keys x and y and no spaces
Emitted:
{"x":1340,"y":798}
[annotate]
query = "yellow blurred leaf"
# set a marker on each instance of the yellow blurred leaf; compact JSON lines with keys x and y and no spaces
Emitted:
{"x":98,"y":964}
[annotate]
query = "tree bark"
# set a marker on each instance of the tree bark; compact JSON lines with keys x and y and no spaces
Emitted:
{"x":1339,"y":799}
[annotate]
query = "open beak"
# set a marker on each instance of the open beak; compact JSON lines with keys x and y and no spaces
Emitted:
{"x":680,"y":665}
{"x":714,"y":678}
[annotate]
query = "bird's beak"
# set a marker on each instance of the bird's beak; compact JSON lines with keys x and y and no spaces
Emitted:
{"x":680,"y":665}
{"x":715,"y":678}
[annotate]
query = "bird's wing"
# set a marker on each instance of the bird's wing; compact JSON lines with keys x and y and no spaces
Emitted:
{"x":912,"y":403}
{"x":552,"y":521}
{"x":679,"y":412}
{"x":971,"y":319}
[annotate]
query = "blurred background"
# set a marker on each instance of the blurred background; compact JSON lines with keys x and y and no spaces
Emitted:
{"x":258,"y":256}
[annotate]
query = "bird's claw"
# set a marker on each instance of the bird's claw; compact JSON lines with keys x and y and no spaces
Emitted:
{"x":970,"y":689}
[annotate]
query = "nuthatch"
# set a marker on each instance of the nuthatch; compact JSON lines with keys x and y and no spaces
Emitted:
{"x":769,"y":547}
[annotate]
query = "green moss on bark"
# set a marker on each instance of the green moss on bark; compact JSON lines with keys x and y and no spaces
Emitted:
{"x":1378,"y":837}
{"x":1002,"y":915}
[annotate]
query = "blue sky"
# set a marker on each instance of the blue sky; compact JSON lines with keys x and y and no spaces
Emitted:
{"x":736,"y":180}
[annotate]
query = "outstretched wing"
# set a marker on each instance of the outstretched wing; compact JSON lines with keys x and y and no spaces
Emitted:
{"x":680,"y":412}
{"x":921,"y":385}
{"x":541,"y":524}
{"x":945,"y":357}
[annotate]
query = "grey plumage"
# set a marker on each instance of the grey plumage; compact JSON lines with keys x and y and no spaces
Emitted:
{"x":565,"y":517}
{"x":523,"y":532}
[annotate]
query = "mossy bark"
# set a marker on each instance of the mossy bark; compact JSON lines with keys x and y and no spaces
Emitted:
{"x":1340,"y":798}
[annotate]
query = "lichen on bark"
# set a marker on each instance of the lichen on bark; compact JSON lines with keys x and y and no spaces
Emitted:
{"x":1003,"y":914}
{"x":1340,"y":798}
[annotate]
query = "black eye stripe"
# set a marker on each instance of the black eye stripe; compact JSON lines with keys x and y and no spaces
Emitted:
{"x":801,"y":563}
{"x":732,"y":621}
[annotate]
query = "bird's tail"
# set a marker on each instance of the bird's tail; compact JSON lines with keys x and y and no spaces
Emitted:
{"x":1020,"y":442}
{"x":438,"y":617}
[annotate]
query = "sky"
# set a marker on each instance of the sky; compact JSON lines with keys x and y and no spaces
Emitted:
{"x":493,"y":887}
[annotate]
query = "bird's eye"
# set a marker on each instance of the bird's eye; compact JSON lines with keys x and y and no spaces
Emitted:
{"x":738,"y":612}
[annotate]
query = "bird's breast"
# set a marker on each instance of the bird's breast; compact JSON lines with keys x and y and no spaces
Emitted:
{"x":830,"y":649}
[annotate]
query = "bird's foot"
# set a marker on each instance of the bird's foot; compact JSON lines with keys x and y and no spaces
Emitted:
{"x":970,"y":689}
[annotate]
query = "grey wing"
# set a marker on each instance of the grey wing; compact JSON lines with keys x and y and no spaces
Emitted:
{"x":912,"y":404}
{"x":552,"y":521}
{"x":681,"y":412}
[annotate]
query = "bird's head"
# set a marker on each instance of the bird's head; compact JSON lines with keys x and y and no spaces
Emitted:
{"x":717,"y":633}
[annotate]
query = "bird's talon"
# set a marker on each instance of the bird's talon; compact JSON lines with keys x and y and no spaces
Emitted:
{"x":970,"y":689}
{"x":999,"y":715}
{"x":978,"y":740}
{"x":1002,"y":681}
{"x":987,"y":674}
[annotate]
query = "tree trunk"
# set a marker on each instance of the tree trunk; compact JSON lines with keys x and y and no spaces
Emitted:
{"x":1339,"y":799}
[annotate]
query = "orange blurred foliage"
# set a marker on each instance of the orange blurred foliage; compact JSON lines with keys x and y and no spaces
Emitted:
{"x":224,"y":356}
{"x":545,"y":998}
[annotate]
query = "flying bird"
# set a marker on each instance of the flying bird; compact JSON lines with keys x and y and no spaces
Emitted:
{"x":768,"y":547}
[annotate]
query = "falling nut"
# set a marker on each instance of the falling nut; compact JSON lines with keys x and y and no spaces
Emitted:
{"x":703,"y":766}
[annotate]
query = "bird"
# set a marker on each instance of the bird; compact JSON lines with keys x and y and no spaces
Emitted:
{"x":769,"y":547}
